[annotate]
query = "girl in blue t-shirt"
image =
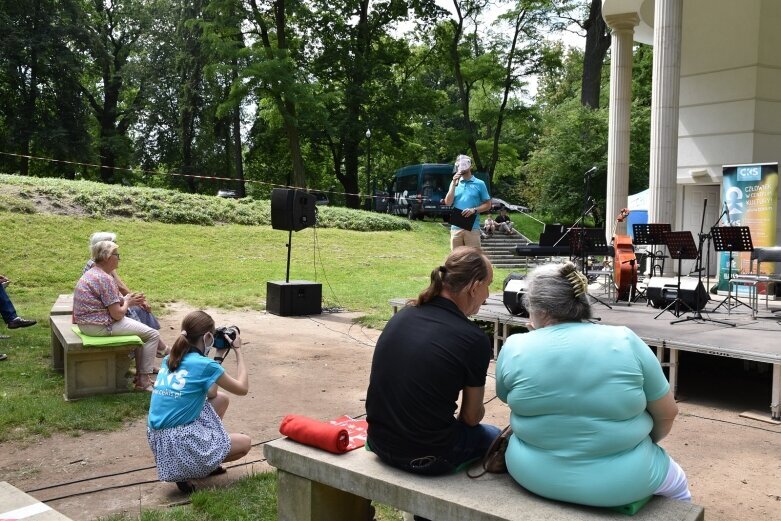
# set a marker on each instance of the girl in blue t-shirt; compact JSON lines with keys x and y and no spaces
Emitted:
{"x":184,"y":428}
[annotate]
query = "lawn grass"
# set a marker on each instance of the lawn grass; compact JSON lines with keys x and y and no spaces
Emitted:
{"x":223,"y":266}
{"x":253,"y":498}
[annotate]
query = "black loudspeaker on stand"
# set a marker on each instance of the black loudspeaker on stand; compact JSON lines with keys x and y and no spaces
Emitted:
{"x":293,"y":210}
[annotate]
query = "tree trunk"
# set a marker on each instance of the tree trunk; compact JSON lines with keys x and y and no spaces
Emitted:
{"x":463,"y":88}
{"x":597,"y":45}
{"x":238,"y":159}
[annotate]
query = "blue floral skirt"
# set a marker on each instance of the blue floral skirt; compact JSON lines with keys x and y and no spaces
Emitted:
{"x":190,"y":451}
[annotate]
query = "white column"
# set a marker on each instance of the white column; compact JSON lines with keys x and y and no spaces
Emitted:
{"x":622,"y":28}
{"x":665,"y":96}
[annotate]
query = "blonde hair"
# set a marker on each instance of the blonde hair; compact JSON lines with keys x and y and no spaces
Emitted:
{"x":102,"y":250}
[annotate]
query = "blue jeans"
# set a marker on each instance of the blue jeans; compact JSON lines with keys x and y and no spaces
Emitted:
{"x":7,"y":309}
{"x":471,"y":444}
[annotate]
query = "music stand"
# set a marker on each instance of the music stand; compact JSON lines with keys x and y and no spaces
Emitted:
{"x":681,"y":246}
{"x":651,"y":235}
{"x":584,"y":242}
{"x":731,"y":239}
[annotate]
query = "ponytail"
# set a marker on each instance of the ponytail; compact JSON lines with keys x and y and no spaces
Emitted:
{"x":194,"y":326}
{"x":462,"y":267}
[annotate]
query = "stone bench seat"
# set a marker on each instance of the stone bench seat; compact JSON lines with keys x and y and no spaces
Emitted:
{"x":63,"y":305}
{"x":314,"y":485}
{"x":87,"y":371}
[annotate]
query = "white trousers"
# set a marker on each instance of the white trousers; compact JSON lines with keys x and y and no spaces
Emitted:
{"x":675,"y":485}
{"x":145,"y":354}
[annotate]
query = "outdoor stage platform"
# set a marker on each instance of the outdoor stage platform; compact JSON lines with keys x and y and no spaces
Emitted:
{"x":757,"y":340}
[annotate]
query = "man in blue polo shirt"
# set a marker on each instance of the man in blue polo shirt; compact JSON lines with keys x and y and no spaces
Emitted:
{"x":470,"y":195}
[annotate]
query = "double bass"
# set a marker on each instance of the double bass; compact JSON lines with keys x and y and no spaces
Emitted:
{"x":624,"y":261}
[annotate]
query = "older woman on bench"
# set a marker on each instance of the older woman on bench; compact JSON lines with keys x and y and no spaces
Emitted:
{"x":99,"y":309}
{"x":589,"y":402}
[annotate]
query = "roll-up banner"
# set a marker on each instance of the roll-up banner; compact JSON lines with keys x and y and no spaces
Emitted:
{"x":750,"y":194}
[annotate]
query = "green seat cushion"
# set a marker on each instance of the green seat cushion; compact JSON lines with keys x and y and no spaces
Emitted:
{"x":632,"y":508}
{"x":106,"y":341}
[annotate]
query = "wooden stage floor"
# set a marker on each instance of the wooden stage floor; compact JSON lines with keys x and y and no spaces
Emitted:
{"x":757,"y":340}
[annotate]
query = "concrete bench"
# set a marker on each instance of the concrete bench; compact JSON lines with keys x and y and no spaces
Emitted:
{"x":63,"y":305}
{"x":87,"y":371}
{"x":15,"y":504}
{"x":314,"y":485}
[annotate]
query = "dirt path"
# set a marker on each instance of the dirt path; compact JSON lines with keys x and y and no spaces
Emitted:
{"x":319,"y":367}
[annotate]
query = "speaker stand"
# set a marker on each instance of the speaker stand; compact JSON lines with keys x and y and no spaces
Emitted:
{"x":696,"y":313}
{"x":289,"y":248}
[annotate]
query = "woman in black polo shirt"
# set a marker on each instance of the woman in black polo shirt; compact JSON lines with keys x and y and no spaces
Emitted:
{"x":427,"y":355}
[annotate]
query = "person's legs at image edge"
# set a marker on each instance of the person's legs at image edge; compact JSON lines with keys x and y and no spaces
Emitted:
{"x":8,"y":312}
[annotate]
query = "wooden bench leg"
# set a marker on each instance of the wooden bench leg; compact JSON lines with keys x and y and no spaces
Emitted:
{"x":300,"y":499}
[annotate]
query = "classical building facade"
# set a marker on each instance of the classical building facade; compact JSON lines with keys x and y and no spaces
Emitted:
{"x":716,"y":100}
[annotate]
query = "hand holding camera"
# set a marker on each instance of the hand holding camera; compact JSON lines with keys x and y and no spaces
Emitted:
{"x":225,"y":338}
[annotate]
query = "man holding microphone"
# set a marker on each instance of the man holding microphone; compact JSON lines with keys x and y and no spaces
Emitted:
{"x":468,"y":195}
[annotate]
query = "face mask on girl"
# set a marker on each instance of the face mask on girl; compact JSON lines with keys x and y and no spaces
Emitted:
{"x":208,"y":343}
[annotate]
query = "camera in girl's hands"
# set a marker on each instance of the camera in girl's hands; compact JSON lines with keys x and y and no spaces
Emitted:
{"x":225,"y":335}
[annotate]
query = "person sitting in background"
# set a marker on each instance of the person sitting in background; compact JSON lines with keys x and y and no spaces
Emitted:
{"x":504,"y":222}
{"x":8,"y":311}
{"x":489,"y":226}
{"x":99,"y":309}
{"x":184,"y":427}
{"x":428,"y":354}
{"x":142,"y":312}
{"x":589,"y":402}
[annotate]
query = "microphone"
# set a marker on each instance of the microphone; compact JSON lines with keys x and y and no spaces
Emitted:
{"x":590,"y":170}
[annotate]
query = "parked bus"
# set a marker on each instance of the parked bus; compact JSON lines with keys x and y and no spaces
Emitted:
{"x":418,"y":190}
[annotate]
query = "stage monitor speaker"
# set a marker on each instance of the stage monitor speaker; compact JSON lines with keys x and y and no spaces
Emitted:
{"x":663,"y":290}
{"x":294,"y":298}
{"x":292,"y":209}
{"x":514,"y":290}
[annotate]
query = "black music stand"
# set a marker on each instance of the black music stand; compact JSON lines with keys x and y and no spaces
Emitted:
{"x":651,"y":235}
{"x":731,"y":239}
{"x":584,"y":242}
{"x":681,"y":246}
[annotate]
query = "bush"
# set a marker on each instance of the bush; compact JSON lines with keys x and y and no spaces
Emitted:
{"x":169,"y":206}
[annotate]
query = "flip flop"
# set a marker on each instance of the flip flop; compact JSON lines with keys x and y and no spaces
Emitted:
{"x":4,"y":337}
{"x":3,"y":357}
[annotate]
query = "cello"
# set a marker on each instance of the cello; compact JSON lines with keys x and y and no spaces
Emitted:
{"x":624,"y":261}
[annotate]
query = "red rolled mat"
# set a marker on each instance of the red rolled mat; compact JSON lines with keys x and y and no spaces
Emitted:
{"x":315,"y":433}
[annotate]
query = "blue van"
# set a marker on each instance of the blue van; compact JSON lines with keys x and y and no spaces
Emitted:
{"x":418,"y":190}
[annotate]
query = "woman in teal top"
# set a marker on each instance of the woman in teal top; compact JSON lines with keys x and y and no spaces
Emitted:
{"x":589,"y":402}
{"x":184,"y":427}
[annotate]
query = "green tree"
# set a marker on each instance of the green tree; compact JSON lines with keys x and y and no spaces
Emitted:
{"x":112,"y":42}
{"x":40,"y":108}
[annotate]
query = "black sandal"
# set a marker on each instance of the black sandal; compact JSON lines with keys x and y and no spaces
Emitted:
{"x":219,"y":470}
{"x":186,"y":487}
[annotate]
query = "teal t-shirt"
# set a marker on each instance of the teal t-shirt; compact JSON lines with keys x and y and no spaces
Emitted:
{"x":179,"y":396}
{"x":470,"y":194}
{"x":578,"y":394}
